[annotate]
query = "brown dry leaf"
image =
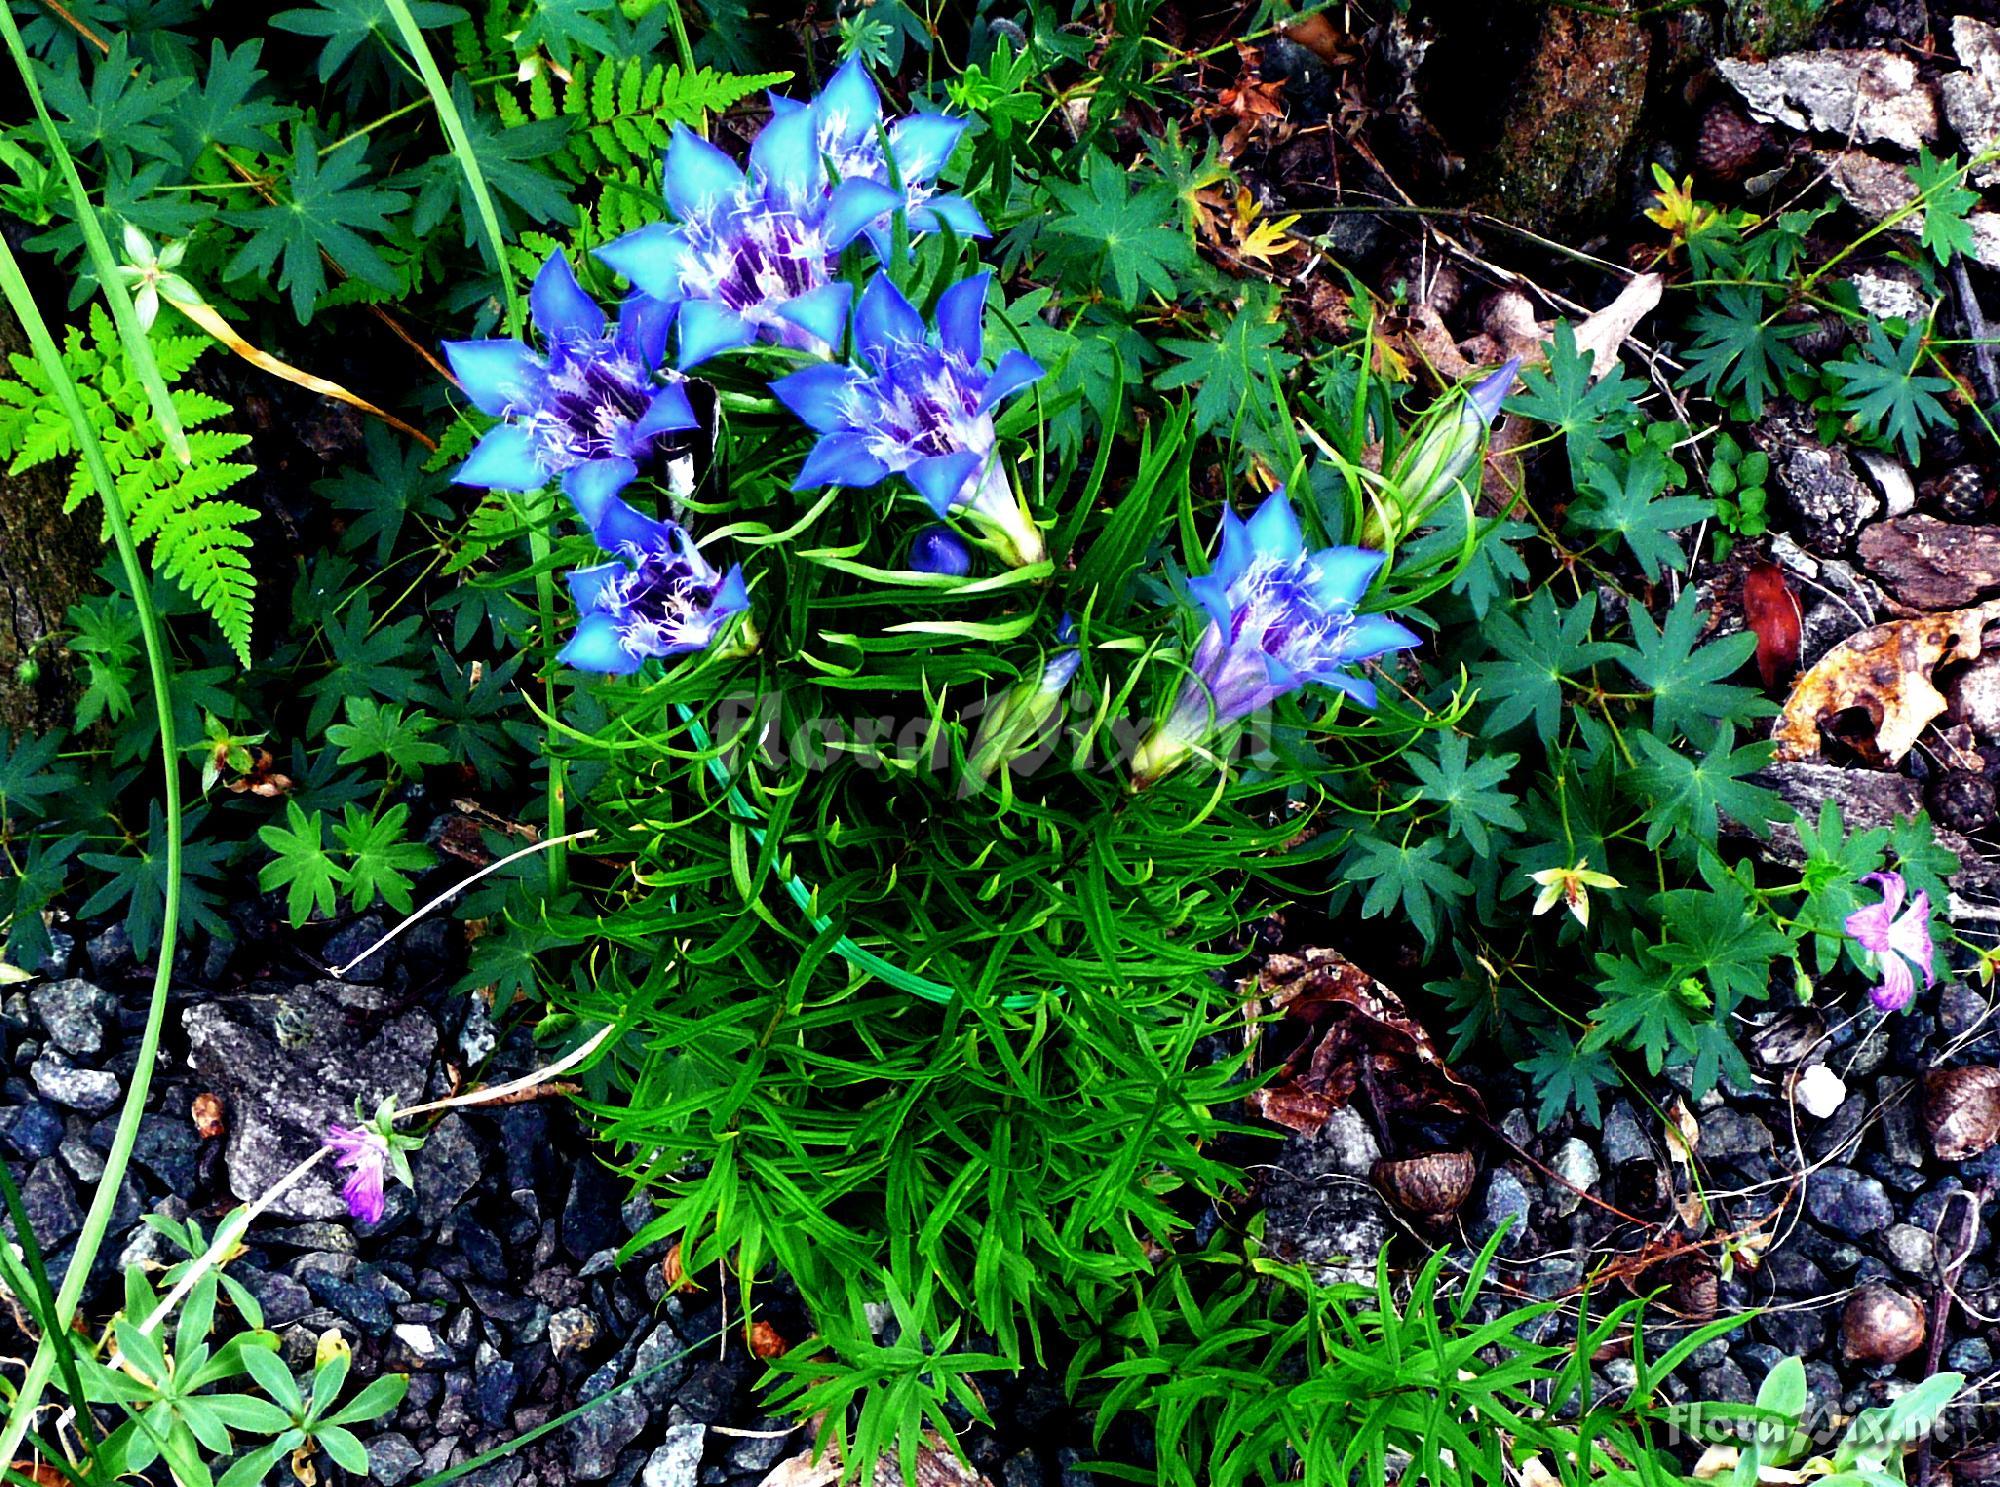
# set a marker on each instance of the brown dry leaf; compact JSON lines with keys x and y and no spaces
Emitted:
{"x":937,"y":1466}
{"x":1884,"y":671}
{"x":1604,"y":332}
{"x":1325,"y":40}
{"x":1354,"y":1040}
{"x":41,"y":1473}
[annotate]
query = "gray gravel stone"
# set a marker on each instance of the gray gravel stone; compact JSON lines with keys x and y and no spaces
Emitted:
{"x":1625,"y":1140}
{"x":677,"y":1461}
{"x":290,"y":1065}
{"x":1909,"y":1248}
{"x":598,"y":1435}
{"x":90,"y":1090}
{"x":1848,"y":1203}
{"x":1576,"y":1164}
{"x":1505,"y":1199}
{"x":392,"y":1459}
{"x":74,"y":1012}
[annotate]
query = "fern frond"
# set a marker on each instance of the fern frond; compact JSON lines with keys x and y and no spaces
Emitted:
{"x":197,"y":540}
{"x":625,"y":113}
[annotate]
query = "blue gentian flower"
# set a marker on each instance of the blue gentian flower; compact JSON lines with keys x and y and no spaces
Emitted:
{"x":659,"y":597}
{"x":920,"y":406}
{"x":904,"y":157}
{"x":751,"y":256}
{"x":593,"y":408}
{"x":1279,"y":617}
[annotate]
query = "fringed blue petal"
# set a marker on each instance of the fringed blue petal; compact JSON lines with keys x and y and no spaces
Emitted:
{"x":1015,"y":371}
{"x":497,"y":375}
{"x":784,"y":159}
{"x":1345,"y":573}
{"x":841,"y":459}
{"x":848,"y":109}
{"x":562,"y":311}
{"x":668,"y":413}
{"x":961,"y":315}
{"x":593,"y":484}
{"x":818,"y":395}
{"x":651,"y":258}
{"x":921,"y":144}
{"x":857,"y":205}
{"x":1274,"y":529}
{"x":822,"y":312}
{"x":697,"y":175}
{"x":597,"y":645}
{"x":707,"y":328}
{"x":941,"y":479}
{"x":885,"y":319}
{"x":504,"y":459}
{"x":643,"y":323}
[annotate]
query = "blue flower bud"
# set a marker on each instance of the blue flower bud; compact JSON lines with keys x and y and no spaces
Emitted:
{"x":938,"y":549}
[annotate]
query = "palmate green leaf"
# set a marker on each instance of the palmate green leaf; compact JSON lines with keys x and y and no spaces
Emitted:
{"x":1884,"y":394}
{"x":137,"y":878}
{"x":1686,"y":794}
{"x":1404,"y":877}
{"x":31,"y":774}
{"x":124,"y":112}
{"x":231,"y":109}
{"x":376,"y":730}
{"x":1737,"y":352}
{"x":564,"y":27}
{"x":327,"y":207}
{"x":1466,"y":787}
{"x":1589,"y":414}
{"x":1685,"y":677}
{"x":379,"y":859}
{"x":1537,"y":646}
{"x":1230,"y":371}
{"x":1625,"y":494}
{"x":365,"y":660}
{"x":1568,"y":1076}
{"x":1947,"y":202}
{"x":1127,"y":235}
{"x":302,"y":866}
{"x":508,"y":158}
{"x":1644,"y":1007}
{"x":343,"y":25}
{"x":1715,"y":935}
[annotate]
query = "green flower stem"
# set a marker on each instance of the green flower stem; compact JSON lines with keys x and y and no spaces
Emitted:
{"x":539,"y":547}
{"x":98,"y":1220}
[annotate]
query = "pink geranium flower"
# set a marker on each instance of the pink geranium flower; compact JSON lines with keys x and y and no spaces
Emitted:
{"x":1900,"y":943}
{"x":366,"y":1156}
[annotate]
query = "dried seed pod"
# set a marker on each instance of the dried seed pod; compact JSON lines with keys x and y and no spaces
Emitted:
{"x":1432,"y":1186}
{"x":209,"y":1119}
{"x":1962,"y":1111}
{"x":674,"y":1273}
{"x":1731,"y":143}
{"x":1881,"y":1326}
{"x":767,"y":1341}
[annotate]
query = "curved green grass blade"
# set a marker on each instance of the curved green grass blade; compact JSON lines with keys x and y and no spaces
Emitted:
{"x":489,"y":227}
{"x":97,"y":1221}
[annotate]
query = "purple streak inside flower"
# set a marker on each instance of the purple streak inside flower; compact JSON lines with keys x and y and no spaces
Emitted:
{"x":365,"y":1155}
{"x":592,"y":407}
{"x":1900,"y":942}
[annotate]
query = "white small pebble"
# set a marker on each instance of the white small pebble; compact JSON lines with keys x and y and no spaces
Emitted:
{"x":1820,"y":1091}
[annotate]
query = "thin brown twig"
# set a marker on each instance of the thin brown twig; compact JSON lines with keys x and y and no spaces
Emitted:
{"x":63,"y":14}
{"x":1948,"y":1274}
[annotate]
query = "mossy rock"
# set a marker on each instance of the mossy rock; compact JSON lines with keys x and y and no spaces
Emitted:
{"x":1770,"y":27}
{"x":1555,"y":157}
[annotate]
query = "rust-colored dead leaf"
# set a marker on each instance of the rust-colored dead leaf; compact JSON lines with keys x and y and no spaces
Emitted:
{"x":1885,"y":672}
{"x":1349,"y":1038}
{"x":767,"y":1341}
{"x":1325,"y":40}
{"x":41,"y":1473}
{"x":210,"y":1116}
{"x":1771,"y":613}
